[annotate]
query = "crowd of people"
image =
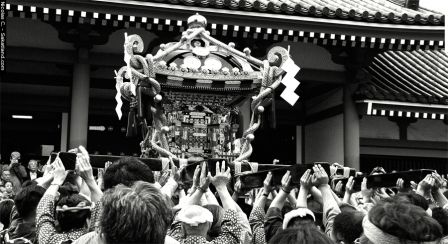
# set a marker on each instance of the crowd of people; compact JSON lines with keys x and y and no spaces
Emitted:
{"x":129,"y":203}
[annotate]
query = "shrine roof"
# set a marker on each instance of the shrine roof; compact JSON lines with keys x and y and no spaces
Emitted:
{"x":382,"y":11}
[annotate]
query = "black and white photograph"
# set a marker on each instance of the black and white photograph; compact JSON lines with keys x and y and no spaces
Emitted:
{"x":223,"y":122}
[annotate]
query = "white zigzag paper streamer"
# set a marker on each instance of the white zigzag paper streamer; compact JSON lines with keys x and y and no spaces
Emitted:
{"x":118,"y":97}
{"x":290,"y":82}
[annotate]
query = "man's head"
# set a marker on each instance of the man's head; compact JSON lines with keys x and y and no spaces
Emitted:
{"x":304,"y":234}
{"x":196,"y":220}
{"x":27,"y":199}
{"x":32,"y":165}
{"x":347,"y":226}
{"x":399,"y":222}
{"x":69,"y":219}
{"x":126,"y":171}
{"x":139,"y":214}
{"x":15,"y":157}
{"x":6,"y":175}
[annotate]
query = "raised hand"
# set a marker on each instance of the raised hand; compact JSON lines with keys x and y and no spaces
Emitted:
{"x":107,"y":165}
{"x":83,"y":167}
{"x":59,"y":172}
{"x":286,"y":181}
{"x":267,"y":183}
{"x":426,"y":184}
{"x":400,"y":185}
{"x":305,"y":180}
{"x":222,"y":177}
{"x":205,"y":179}
{"x":349,"y":185}
{"x":175,"y":172}
{"x":196,"y":176}
{"x":320,"y":177}
{"x":338,"y":187}
{"x":438,"y":181}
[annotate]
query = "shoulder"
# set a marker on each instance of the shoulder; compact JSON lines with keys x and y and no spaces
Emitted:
{"x":90,"y":238}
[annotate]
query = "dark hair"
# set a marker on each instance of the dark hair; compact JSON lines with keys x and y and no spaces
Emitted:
{"x":71,"y":220}
{"x":15,"y":171}
{"x":405,"y":221}
{"x":441,"y":215}
{"x":412,"y":198}
{"x":126,"y":171}
{"x":27,"y":199}
{"x":299,"y":221}
{"x":218,"y":214}
{"x":348,"y":225}
{"x":5,"y":212}
{"x":305,"y":234}
{"x":136,"y":214}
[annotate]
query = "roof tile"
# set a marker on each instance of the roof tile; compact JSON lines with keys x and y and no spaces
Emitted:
{"x":408,"y":76}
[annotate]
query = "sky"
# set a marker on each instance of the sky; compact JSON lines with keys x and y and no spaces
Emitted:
{"x":438,"y":5}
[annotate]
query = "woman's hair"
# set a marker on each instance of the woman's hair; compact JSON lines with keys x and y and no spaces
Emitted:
{"x":135,"y":214}
{"x":72,"y":220}
{"x":405,"y":221}
{"x":305,"y":234}
{"x":5,"y":212}
{"x":218,"y":215}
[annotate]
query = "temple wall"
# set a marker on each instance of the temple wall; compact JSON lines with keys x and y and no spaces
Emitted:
{"x":324,"y":140}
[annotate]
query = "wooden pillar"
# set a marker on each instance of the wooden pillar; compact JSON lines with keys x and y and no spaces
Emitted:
{"x":351,"y":130}
{"x":79,"y":115}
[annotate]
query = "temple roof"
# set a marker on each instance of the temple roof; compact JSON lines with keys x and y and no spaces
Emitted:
{"x":416,"y":76}
{"x":383,"y":11}
{"x":406,"y":84}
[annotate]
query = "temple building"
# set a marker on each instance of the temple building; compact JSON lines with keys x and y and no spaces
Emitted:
{"x":373,"y":79}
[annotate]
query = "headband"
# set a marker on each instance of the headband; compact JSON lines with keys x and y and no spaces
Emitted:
{"x":378,"y":236}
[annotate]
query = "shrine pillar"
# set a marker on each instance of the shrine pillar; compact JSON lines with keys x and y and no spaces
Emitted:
{"x":79,"y":114}
{"x":351,"y":130}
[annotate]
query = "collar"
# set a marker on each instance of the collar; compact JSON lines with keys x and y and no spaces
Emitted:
{"x":194,"y":239}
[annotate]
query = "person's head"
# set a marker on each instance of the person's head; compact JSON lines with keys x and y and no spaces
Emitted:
{"x":9,"y":186}
{"x":32,"y":165}
{"x":126,"y":171}
{"x":378,"y":171}
{"x":218,"y":215}
{"x":305,"y":234}
{"x":298,"y":217}
{"x":68,"y":218}
{"x":196,"y":220}
{"x":5,"y":212}
{"x":27,"y":199}
{"x":347,"y":226}
{"x":441,"y":215}
{"x":15,"y":157}
{"x":6,"y":175}
{"x":412,"y":198}
{"x":138,"y":214}
{"x":399,"y":222}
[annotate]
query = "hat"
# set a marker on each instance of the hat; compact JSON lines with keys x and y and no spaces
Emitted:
{"x":300,"y":212}
{"x":15,"y":155}
{"x":194,"y":215}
